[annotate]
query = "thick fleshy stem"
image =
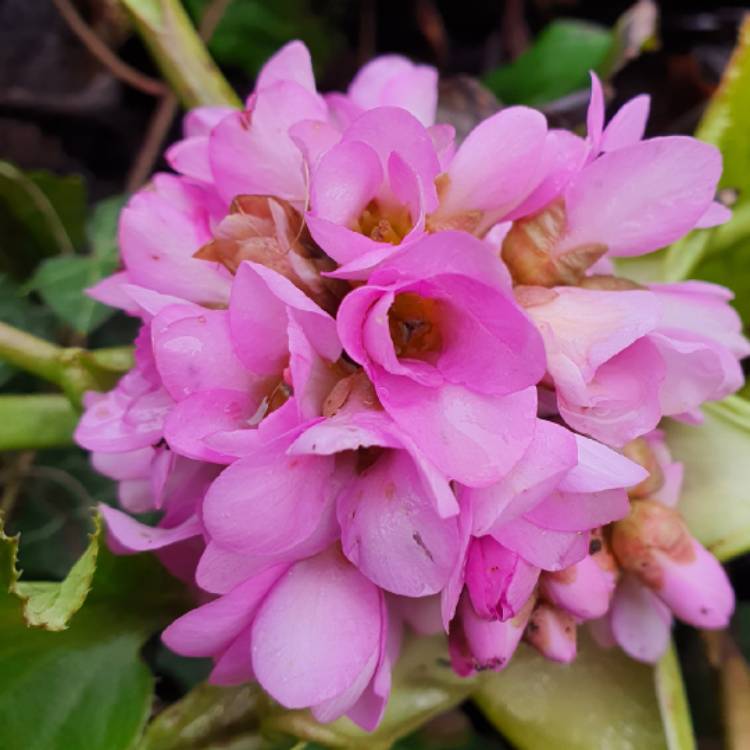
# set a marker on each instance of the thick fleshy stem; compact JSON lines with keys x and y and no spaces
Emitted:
{"x":73,"y":370}
{"x":180,"y":54}
{"x":44,"y":420}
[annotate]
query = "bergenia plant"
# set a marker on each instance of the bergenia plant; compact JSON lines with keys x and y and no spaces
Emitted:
{"x":388,"y":384}
{"x":397,"y":392}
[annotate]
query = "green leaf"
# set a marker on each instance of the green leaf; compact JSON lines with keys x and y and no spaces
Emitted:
{"x":252,"y":30}
{"x":62,"y":281}
{"x":722,"y":254}
{"x":726,"y":122}
{"x":557,"y":64}
{"x":41,"y":215}
{"x":82,"y":687}
{"x":67,"y":194}
{"x":715,"y":499}
{"x":101,"y":228}
{"x":602,"y":700}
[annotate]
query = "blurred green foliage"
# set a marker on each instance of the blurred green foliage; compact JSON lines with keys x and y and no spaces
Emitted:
{"x":252,"y":30}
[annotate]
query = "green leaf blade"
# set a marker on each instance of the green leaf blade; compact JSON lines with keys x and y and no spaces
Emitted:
{"x":557,"y":64}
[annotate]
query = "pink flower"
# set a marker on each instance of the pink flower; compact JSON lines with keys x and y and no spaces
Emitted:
{"x":367,"y":364}
{"x":620,"y":360}
{"x":619,"y":196}
{"x":252,"y":632}
{"x":373,"y":189}
{"x":452,"y":358}
{"x":390,"y":81}
{"x":387,"y":181}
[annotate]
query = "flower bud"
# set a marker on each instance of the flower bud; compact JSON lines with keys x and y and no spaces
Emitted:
{"x":529,"y":250}
{"x":476,"y":644}
{"x":498,"y":580}
{"x":552,"y":632}
{"x":655,"y":545}
{"x":583,"y":590}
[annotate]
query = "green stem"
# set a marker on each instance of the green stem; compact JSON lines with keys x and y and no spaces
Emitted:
{"x":673,"y":705}
{"x":180,"y":54}
{"x":40,"y":421}
{"x":73,"y":370}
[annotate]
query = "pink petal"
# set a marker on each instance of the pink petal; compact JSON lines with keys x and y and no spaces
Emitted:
{"x":265,"y":505}
{"x":346,"y":246}
{"x":497,"y":165}
{"x":160,"y":230}
{"x":653,"y":192}
{"x":252,"y":153}
{"x":195,"y":353}
{"x":388,"y":129}
{"x":600,"y":468}
{"x":393,"y":80}
{"x":452,"y":591}
{"x":345,"y":180}
{"x":133,"y":536}
{"x":320,"y":604}
{"x":105,"y":425}
{"x":233,"y":667}
{"x":715,"y":215}
{"x":391,"y":532}
{"x":628,"y":125}
{"x":547,"y":549}
{"x":211,"y":628}
{"x":314,"y":138}
{"x":190,"y":158}
{"x":219,"y":570}
{"x":202,"y":120}
{"x":499,"y":582}
{"x":476,"y":644}
{"x":109,"y":291}
{"x":697,"y":370}
{"x":641,"y":623}
{"x":291,"y":63}
{"x":703,"y":309}
{"x":697,"y":591}
{"x":563,"y":156}
{"x":567,"y":511}
{"x":622,"y":402}
{"x":595,"y":114}
{"x":317,"y":325}
{"x":128,"y":465}
{"x":204,"y":414}
{"x":474,"y":439}
{"x":552,"y":633}
{"x":584,"y":590}
{"x":584,"y":328}
{"x":550,"y":456}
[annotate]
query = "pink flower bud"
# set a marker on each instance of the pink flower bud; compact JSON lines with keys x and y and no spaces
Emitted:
{"x":498,"y":580}
{"x":655,"y":545}
{"x":552,"y":632}
{"x":476,"y":644}
{"x":583,"y":590}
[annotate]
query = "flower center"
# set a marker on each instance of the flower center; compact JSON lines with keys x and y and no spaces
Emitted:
{"x":384,"y":225}
{"x":278,"y":393}
{"x":414,"y":324}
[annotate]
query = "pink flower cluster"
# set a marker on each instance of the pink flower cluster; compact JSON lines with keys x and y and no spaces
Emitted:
{"x":385,"y":381}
